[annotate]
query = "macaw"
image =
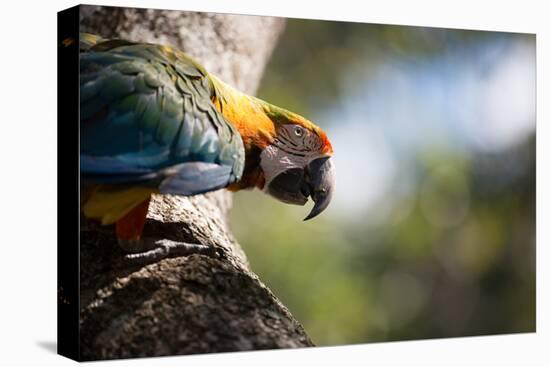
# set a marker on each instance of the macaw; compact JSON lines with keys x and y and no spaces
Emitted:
{"x":153,"y":120}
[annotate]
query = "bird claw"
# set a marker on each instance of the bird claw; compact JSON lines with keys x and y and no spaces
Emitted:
{"x":164,"y":249}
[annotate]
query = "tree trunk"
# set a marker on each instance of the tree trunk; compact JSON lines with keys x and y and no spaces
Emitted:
{"x":198,"y":303}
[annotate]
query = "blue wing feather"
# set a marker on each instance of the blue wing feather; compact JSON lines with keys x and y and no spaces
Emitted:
{"x":196,"y":178}
{"x":147,"y":115}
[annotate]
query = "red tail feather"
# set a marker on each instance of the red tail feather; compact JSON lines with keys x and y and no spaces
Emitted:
{"x":131,"y":225}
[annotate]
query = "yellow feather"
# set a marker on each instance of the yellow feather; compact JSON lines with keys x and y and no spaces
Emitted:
{"x":245,"y":114}
{"x":109,"y":203}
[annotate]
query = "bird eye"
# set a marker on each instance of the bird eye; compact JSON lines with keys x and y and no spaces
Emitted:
{"x":298,"y":131}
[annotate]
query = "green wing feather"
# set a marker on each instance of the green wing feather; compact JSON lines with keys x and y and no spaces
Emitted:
{"x":146,"y":109}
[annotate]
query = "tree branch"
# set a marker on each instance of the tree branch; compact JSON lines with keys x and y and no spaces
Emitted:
{"x":199,"y":303}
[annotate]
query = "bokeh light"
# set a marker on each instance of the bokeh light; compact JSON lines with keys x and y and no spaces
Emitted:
{"x":431,"y":232}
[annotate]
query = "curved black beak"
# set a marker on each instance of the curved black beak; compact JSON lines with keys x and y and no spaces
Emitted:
{"x":295,"y":185}
{"x":320,"y":173}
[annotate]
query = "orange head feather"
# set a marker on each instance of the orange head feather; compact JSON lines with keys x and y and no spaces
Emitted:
{"x":281,"y":116}
{"x":258,"y":123}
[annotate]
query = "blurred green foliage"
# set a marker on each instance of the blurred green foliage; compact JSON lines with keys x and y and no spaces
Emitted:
{"x":312,"y":57}
{"x":454,"y":257}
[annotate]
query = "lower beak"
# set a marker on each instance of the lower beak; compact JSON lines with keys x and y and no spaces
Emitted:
{"x":295,"y":185}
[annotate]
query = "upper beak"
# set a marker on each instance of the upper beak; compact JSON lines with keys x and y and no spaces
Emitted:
{"x":320,"y":180}
{"x":295,"y":185}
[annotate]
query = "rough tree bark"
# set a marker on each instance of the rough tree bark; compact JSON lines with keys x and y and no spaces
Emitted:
{"x":194,"y":304}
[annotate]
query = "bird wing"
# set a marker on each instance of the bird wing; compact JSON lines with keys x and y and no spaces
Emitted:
{"x":146,"y":114}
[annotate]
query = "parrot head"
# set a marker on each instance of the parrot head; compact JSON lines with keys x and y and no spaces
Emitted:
{"x":297,"y":163}
{"x":287,"y":156}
